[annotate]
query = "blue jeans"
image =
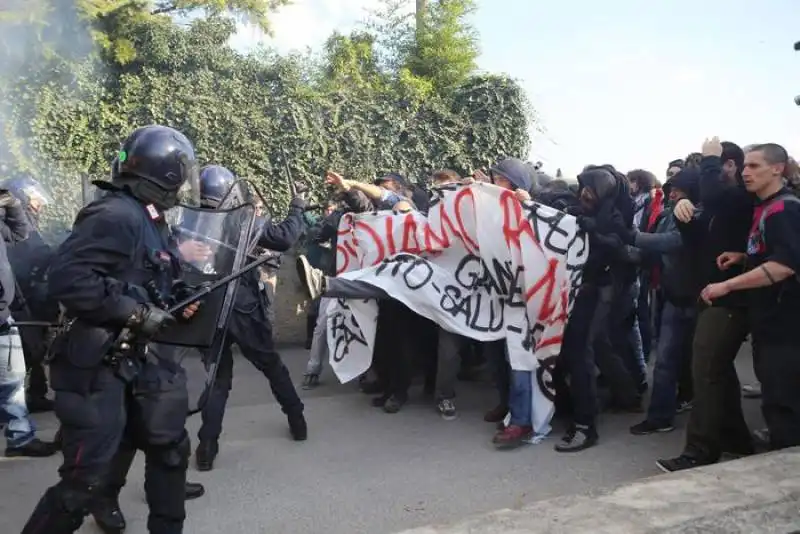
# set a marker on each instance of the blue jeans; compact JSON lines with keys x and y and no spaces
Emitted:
{"x":520,"y":398}
{"x":13,"y":410}
{"x":677,"y":329}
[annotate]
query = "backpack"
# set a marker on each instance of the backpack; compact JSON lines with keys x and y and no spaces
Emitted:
{"x":786,"y":197}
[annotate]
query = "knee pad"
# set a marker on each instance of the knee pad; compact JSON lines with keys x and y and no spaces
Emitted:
{"x":174,"y":456}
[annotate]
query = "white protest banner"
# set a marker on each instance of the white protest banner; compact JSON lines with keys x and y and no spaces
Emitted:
{"x":481,"y":264}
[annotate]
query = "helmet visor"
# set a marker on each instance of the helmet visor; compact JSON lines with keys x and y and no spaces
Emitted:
{"x":189,"y":192}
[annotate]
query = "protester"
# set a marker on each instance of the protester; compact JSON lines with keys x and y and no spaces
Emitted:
{"x":599,"y":215}
{"x":719,"y":224}
{"x":772,"y":260}
{"x":513,"y":175}
{"x":352,"y":201}
{"x":648,"y":203}
{"x":680,"y":289}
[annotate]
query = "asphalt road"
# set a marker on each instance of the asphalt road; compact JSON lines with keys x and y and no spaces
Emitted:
{"x":363,"y":471}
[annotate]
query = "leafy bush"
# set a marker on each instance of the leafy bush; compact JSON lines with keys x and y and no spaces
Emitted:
{"x":64,"y":117}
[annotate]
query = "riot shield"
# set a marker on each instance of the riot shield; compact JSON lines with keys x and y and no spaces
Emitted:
{"x":212,"y":244}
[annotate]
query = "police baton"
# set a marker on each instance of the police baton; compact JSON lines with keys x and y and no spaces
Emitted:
{"x":225,"y":280}
{"x":204,"y":291}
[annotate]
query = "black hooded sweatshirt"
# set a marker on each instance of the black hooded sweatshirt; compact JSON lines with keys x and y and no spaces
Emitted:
{"x":607,"y":227}
{"x":722,"y":225}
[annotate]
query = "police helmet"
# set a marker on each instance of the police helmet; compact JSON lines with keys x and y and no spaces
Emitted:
{"x":215,"y":182}
{"x":157,"y":164}
{"x":30,"y":192}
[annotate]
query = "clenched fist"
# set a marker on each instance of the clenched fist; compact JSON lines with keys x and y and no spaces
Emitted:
{"x":684,"y":210}
{"x":712,"y":147}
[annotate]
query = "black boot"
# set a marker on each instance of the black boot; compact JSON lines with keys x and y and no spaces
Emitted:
{"x":205,"y":455}
{"x":194,"y":490}
{"x":108,"y":515}
{"x":33,"y":449}
{"x":298,"y":427}
{"x":52,"y":517}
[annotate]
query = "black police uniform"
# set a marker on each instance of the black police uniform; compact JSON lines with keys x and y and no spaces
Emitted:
{"x":250,"y":329}
{"x":119,"y":246}
{"x":30,"y":260}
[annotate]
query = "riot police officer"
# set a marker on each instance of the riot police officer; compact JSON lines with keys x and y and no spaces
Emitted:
{"x":249,"y":326}
{"x":30,"y":260}
{"x":111,"y":387}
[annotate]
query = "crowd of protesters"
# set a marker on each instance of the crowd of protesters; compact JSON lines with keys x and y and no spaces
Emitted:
{"x":678,"y":276}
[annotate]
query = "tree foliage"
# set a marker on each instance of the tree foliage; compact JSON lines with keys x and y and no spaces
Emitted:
{"x":360,"y":107}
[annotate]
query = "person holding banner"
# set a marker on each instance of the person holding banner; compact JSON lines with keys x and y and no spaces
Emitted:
{"x":514,"y":175}
{"x":601,"y":188}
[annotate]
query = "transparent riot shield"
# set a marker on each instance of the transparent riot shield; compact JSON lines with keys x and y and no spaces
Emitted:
{"x":211,"y":244}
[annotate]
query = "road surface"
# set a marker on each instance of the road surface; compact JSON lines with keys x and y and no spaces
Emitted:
{"x":363,"y":471}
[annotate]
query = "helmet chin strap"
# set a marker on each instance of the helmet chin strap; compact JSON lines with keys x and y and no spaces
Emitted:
{"x":150,"y":194}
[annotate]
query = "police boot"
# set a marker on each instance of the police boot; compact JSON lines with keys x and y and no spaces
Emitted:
{"x":56,"y":513}
{"x":298,"y":426}
{"x":194,"y":490}
{"x":108,"y":515}
{"x":205,"y":455}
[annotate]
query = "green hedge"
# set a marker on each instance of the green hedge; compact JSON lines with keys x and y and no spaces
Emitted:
{"x":64,"y":118}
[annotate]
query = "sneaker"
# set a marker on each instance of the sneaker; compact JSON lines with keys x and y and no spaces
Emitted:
{"x":648,"y":427}
{"x":512,"y":437}
{"x":33,"y":449}
{"x":685,"y":406}
{"x":496,"y":414}
{"x":447,"y":409}
{"x":393,"y":404}
{"x":313,"y":280}
{"x":310,"y":381}
{"x":577,"y":439}
{"x":680,"y":463}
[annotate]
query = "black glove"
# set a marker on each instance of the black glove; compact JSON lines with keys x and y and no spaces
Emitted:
{"x":148,"y":320}
{"x":7,"y":199}
{"x":181,"y":290}
{"x":298,"y":202}
{"x":587,"y":224}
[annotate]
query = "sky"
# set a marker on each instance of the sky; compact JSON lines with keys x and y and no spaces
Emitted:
{"x":635,"y":84}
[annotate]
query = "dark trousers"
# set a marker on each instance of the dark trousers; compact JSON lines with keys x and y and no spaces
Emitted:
{"x":253,"y":334}
{"x":716,"y":422}
{"x":103,"y":419}
{"x":34,"y":345}
{"x":394,"y":347}
{"x":501,"y":369}
{"x":778,"y":369}
{"x":643,"y":308}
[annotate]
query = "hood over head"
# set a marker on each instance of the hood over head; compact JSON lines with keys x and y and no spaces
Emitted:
{"x":601,"y":180}
{"x":516,"y":171}
{"x":688,"y":181}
